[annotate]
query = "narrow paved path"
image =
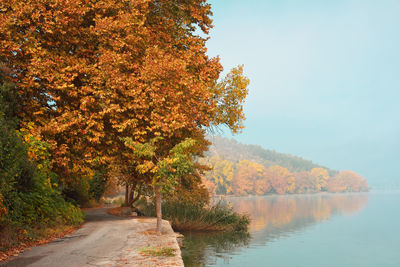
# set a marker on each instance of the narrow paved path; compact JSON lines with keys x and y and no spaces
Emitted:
{"x":105,"y":240}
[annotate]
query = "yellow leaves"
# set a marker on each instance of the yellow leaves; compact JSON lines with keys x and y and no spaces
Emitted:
{"x":320,"y":177}
{"x":147,"y":166}
{"x":229,"y":97}
{"x":63,"y":86}
{"x":281,"y":171}
{"x":111,"y":74}
{"x":66,"y":69}
{"x":82,"y":170}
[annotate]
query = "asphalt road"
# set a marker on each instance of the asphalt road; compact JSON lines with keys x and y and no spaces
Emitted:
{"x":101,"y":239}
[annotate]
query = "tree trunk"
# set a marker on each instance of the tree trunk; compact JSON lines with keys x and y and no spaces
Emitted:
{"x":126,"y":195}
{"x":130,"y":197}
{"x":133,"y":200}
{"x":158,"y":209}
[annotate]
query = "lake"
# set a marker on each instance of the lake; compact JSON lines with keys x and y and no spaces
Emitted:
{"x":354,"y":229}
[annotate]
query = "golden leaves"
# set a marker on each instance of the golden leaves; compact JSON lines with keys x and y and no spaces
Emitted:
{"x":109,"y":71}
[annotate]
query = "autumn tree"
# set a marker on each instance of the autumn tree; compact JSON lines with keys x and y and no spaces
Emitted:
{"x":220,"y":173}
{"x":319,"y":177}
{"x":166,"y":171}
{"x":250,"y":178}
{"x":281,"y":179}
{"x":347,"y":181}
{"x":243,"y":179}
{"x":304,"y":184}
{"x":210,"y":186}
{"x":90,"y":73}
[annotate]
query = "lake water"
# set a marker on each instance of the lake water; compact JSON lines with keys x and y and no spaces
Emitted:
{"x":355,"y":229}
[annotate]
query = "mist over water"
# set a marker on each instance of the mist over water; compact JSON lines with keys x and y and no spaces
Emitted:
{"x":354,"y":229}
{"x":324,"y":79}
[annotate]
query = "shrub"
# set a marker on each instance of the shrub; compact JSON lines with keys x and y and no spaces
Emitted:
{"x":29,"y":195}
{"x":186,"y":216}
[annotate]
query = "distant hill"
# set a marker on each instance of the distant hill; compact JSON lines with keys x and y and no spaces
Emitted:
{"x":239,"y":169}
{"x":234,"y":151}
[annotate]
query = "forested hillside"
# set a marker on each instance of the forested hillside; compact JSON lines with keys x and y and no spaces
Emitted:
{"x":241,"y":169}
{"x":232,"y":150}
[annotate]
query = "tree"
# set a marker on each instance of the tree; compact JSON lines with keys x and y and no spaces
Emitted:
{"x":304,"y":184}
{"x":320,"y":177}
{"x":243,"y":179}
{"x":281,"y":179}
{"x":29,"y":190}
{"x":91,"y":72}
{"x":211,"y":187}
{"x":164,"y":172}
{"x":250,"y":178}
{"x":347,"y":181}
{"x":220,"y":173}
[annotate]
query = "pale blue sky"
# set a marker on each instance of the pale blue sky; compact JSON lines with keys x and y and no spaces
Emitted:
{"x":325,"y":81}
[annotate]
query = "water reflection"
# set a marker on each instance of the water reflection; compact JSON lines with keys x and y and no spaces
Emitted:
{"x":272,"y":217}
{"x":280,"y":211}
{"x":201,"y":248}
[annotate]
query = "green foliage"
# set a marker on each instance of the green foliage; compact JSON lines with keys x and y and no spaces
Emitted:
{"x":165,"y":170}
{"x":78,"y":191}
{"x":88,"y":186}
{"x":177,"y":164}
{"x":29,"y":192}
{"x":8,"y":102}
{"x":185,"y":216}
{"x":97,"y":185}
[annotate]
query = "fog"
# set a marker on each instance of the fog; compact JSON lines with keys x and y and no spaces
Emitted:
{"x":324,"y":79}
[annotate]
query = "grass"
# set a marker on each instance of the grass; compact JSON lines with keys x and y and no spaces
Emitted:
{"x":157,"y":251}
{"x":192,"y":217}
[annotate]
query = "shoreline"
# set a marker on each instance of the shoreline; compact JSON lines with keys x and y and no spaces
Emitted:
{"x":296,"y":194}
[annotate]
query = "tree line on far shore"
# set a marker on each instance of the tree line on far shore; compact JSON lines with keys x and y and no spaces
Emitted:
{"x":246,"y":177}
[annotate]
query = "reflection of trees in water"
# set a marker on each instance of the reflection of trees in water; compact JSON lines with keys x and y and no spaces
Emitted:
{"x":277,"y":215}
{"x":199,"y":248}
{"x":272,"y":217}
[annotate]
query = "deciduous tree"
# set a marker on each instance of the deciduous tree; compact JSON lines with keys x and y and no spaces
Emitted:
{"x":92,"y":72}
{"x":281,"y":179}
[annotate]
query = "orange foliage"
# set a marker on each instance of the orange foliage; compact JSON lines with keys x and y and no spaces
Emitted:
{"x":211,"y":187}
{"x":250,"y":178}
{"x":93,"y":72}
{"x":281,"y":179}
{"x":304,"y":184}
{"x":347,"y":181}
{"x":320,"y":177}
